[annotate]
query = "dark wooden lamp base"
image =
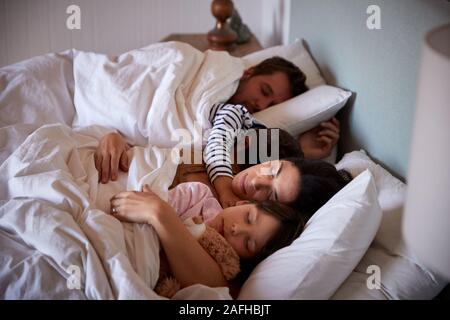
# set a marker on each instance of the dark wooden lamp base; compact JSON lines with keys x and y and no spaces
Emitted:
{"x":222,"y":37}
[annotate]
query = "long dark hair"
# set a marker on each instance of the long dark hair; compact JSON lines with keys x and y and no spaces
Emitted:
{"x":319,"y":182}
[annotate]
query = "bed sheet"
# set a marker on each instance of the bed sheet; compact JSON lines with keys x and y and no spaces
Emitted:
{"x":53,"y":222}
{"x":33,"y":93}
{"x":50,"y":200}
{"x":52,"y":210}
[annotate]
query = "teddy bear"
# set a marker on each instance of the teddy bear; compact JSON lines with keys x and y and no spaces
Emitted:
{"x":217,"y":247}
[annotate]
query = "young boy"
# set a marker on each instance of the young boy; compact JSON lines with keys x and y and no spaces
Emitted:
{"x":272,"y":81}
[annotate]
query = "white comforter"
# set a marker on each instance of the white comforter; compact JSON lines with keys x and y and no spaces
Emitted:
{"x":149,"y":94}
{"x":54,"y":232}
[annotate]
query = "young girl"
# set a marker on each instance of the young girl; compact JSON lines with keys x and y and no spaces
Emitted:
{"x":254,"y":229}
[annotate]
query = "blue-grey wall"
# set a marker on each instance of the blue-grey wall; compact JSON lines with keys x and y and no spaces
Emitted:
{"x":379,"y":66}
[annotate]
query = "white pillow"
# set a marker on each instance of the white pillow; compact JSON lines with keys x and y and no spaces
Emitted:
{"x":294,"y":52}
{"x":402,"y":275}
{"x":305,"y":111}
{"x":333,"y":242}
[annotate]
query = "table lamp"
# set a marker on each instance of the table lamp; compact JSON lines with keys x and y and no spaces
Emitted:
{"x":426,"y":220}
{"x":222,"y":37}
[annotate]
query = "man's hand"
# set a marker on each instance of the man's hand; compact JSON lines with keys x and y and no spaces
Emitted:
{"x":111,"y":154}
{"x":227,"y":198}
{"x":318,"y":142}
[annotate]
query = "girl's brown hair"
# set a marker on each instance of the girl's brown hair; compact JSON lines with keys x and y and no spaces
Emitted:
{"x":292,"y":224}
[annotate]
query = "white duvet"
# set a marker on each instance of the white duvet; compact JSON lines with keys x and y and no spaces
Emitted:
{"x":148,"y":94}
{"x":54,"y":233}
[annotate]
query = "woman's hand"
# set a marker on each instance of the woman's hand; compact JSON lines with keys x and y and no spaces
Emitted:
{"x":111,"y":154}
{"x":318,"y":142}
{"x":140,"y":207}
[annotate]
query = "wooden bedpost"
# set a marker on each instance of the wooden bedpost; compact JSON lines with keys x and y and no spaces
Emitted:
{"x":222,"y":37}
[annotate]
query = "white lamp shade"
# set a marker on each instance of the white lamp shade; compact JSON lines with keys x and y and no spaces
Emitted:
{"x":427,"y":212}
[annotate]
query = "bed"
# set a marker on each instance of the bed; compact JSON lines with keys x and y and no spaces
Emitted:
{"x":57,"y":242}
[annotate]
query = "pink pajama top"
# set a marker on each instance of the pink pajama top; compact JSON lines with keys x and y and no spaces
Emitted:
{"x":191,"y":199}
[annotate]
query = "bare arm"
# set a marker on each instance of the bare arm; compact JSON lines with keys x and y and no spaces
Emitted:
{"x":189,"y":262}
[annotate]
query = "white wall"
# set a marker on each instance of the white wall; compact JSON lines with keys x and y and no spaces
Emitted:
{"x":33,"y":27}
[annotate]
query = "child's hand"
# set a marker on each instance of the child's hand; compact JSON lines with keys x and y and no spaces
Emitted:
{"x":227,"y":198}
{"x":140,"y":207}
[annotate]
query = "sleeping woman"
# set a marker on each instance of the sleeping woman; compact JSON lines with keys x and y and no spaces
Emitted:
{"x":304,"y":184}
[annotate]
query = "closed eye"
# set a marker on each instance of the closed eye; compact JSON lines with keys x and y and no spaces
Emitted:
{"x":277,"y":173}
{"x":266,"y":90}
{"x":273,"y":196}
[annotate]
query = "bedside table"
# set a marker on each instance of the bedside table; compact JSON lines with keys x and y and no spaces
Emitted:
{"x":200,"y":42}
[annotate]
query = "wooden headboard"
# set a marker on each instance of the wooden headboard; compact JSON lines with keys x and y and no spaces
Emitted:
{"x":379,"y":65}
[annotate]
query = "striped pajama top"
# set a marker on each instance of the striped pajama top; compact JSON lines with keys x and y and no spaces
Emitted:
{"x":228,"y":121}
